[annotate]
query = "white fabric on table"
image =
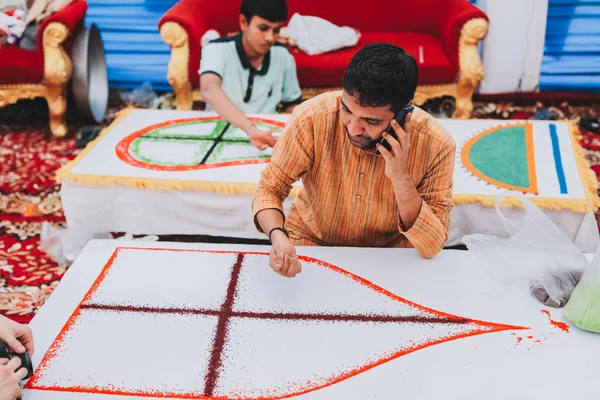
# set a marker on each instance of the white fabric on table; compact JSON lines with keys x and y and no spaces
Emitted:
{"x":314,"y":35}
{"x":94,"y":211}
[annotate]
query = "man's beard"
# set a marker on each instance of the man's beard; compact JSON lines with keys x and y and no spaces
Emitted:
{"x":362,"y":142}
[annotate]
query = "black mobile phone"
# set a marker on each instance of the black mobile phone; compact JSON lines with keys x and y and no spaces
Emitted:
{"x":399,"y":117}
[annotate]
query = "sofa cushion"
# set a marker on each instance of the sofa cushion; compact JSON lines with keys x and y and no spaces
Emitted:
{"x":20,"y":66}
{"x":324,"y":69}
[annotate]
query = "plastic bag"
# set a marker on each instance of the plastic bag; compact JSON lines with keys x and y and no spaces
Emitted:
{"x":583,"y":308}
{"x":144,"y":96}
{"x":64,"y":245}
{"x":536,"y":253}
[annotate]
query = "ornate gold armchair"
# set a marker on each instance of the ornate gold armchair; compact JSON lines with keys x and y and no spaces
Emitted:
{"x":46,"y":71}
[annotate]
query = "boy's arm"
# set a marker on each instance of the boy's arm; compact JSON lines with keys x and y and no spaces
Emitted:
{"x":212,"y":69}
{"x":215,"y":96}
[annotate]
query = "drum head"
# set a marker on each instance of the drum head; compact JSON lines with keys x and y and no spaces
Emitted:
{"x":90,"y":78}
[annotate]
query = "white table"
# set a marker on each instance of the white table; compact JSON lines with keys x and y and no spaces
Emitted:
{"x":101,"y":193}
{"x":542,"y":361}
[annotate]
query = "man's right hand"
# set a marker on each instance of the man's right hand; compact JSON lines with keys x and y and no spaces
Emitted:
{"x":261,"y":139}
{"x":9,"y":379}
{"x":283,"y":257}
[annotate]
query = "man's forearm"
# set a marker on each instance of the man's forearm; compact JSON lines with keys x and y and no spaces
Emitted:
{"x":409,"y":201}
{"x":269,"y":219}
{"x":219,"y":102}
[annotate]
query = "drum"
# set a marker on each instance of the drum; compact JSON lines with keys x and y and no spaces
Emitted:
{"x":89,"y":84}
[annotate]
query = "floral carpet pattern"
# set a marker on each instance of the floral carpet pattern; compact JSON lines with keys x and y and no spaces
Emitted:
{"x":29,"y":195}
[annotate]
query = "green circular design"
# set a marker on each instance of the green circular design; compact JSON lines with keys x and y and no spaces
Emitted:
{"x":206,"y":147}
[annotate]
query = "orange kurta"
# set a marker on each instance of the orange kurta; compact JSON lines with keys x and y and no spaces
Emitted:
{"x":347,"y":200}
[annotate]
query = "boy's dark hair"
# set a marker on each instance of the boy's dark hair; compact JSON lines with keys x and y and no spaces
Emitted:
{"x":271,"y":10}
{"x":382,"y":74}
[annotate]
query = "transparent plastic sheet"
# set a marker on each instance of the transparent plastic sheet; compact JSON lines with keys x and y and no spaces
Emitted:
{"x":144,"y":96}
{"x":63,"y":246}
{"x":583,"y":308}
{"x":536,"y":254}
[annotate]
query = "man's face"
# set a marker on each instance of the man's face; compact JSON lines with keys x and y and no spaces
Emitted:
{"x":260,"y":34}
{"x":364,"y":125}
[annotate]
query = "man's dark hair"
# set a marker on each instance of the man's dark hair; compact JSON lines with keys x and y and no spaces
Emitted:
{"x":382,"y":74}
{"x":271,"y":10}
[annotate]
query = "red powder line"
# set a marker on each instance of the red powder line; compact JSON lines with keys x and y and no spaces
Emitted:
{"x":340,"y":271}
{"x":348,"y":317}
{"x":57,"y":343}
{"x":393,"y":296}
{"x":126,"y":392}
{"x":152,"y":310}
{"x":214,"y":365}
{"x":560,"y":325}
{"x":358,"y":370}
{"x":281,"y":316}
{"x":329,"y":382}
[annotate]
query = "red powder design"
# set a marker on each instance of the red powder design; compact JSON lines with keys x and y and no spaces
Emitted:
{"x":221,"y":333}
{"x":122,"y":149}
{"x":560,"y":325}
{"x":225,"y":313}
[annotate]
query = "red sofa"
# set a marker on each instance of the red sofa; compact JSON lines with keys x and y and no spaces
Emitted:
{"x":45,"y":72}
{"x":442,"y":35}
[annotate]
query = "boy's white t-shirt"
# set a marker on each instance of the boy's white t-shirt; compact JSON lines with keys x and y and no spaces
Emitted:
{"x":252,"y":91}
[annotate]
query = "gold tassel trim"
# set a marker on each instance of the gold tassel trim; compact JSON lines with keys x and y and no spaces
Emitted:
{"x":580,"y":206}
{"x":168,"y":184}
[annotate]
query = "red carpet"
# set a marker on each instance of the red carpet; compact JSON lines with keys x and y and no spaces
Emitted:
{"x":29,"y":195}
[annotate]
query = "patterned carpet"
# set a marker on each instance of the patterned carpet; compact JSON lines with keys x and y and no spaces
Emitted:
{"x":29,"y":194}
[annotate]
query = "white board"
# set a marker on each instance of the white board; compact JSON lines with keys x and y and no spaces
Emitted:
{"x":144,"y":146}
{"x":357,"y":323}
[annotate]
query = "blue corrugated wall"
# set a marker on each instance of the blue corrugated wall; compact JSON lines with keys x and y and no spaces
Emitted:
{"x":572,"y":51}
{"x":135,"y":52}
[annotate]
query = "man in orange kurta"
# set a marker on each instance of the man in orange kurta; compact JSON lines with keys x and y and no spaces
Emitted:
{"x":356,"y":192}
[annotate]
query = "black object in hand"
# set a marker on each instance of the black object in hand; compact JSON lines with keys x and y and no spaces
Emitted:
{"x":399,"y":117}
{"x":6,"y":352}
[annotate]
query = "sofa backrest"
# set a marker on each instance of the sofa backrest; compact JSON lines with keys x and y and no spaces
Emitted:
{"x":364,"y":15}
{"x":367,"y":15}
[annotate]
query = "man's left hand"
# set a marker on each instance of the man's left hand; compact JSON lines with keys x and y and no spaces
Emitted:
{"x":17,"y":336}
{"x":396,"y":161}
